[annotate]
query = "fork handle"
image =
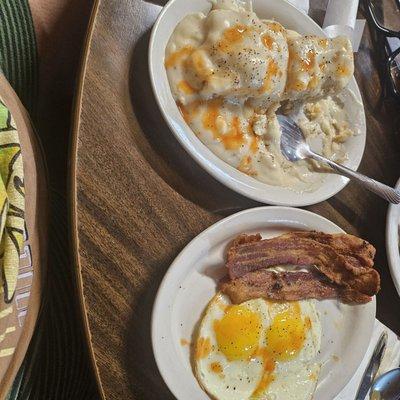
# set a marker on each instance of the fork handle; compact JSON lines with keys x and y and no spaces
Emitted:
{"x":382,"y":190}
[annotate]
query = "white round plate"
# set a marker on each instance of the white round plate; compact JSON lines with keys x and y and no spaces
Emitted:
{"x":392,"y":241}
{"x":291,"y":18}
{"x":191,"y":282}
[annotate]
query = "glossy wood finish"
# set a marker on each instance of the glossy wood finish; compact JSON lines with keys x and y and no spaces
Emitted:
{"x":137,"y":197}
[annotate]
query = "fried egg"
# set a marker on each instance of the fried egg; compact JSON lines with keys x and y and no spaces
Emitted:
{"x":258,"y":350}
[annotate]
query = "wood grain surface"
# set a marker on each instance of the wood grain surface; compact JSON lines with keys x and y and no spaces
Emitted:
{"x":138,"y":199}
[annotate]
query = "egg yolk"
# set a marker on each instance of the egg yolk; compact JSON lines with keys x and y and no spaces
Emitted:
{"x":286,"y":334}
{"x":285,"y":338}
{"x":238,"y":332}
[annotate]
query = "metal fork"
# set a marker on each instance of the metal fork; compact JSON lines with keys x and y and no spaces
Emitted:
{"x":294,"y":147}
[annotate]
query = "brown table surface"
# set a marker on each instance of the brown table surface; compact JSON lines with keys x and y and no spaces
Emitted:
{"x":138,"y":198}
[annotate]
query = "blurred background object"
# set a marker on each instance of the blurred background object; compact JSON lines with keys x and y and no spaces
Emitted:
{"x":384,"y":19}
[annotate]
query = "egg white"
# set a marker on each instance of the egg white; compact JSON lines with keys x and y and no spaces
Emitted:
{"x":239,"y":378}
{"x":295,"y":378}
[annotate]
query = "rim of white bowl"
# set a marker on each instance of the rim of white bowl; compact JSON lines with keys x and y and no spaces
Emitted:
{"x":392,"y":241}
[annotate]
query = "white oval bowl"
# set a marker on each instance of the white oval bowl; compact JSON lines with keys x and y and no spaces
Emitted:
{"x":191,"y":282}
{"x":291,"y":18}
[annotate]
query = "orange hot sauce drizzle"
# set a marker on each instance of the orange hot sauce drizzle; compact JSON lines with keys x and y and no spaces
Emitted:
{"x":216,"y":367}
{"x":272,"y":70}
{"x":203,"y":348}
{"x":185,"y":87}
{"x":231,"y":36}
{"x":267,"y":41}
{"x":285,"y":338}
{"x":189,"y":111}
{"x":231,"y":140}
{"x":175,"y":57}
{"x":184,"y":342}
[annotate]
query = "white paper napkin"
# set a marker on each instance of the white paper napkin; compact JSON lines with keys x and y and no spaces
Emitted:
{"x":391,"y":359}
{"x":303,"y":5}
{"x":340,"y":19}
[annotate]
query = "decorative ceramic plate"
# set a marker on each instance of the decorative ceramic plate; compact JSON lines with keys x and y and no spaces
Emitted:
{"x":18,"y":317}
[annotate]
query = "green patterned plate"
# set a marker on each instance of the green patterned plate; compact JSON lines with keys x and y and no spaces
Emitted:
{"x":19,"y":310}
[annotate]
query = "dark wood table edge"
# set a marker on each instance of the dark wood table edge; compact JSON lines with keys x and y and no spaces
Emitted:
{"x":42,"y":217}
{"x":75,"y":124}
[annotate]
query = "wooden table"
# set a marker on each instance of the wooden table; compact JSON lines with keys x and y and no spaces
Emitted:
{"x":137,"y":198}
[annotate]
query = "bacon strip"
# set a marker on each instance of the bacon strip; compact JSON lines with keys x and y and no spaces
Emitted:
{"x":288,"y":286}
{"x":344,"y":259}
{"x":347,"y":245}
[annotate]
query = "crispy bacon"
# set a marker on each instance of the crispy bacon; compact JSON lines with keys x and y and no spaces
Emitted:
{"x":347,"y":245}
{"x":288,"y":286}
{"x":345,"y":260}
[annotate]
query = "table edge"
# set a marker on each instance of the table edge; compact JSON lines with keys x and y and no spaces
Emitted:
{"x":72,"y":214}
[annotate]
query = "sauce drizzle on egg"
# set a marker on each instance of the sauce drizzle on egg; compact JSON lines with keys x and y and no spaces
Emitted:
{"x":203,"y":348}
{"x":216,"y":367}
